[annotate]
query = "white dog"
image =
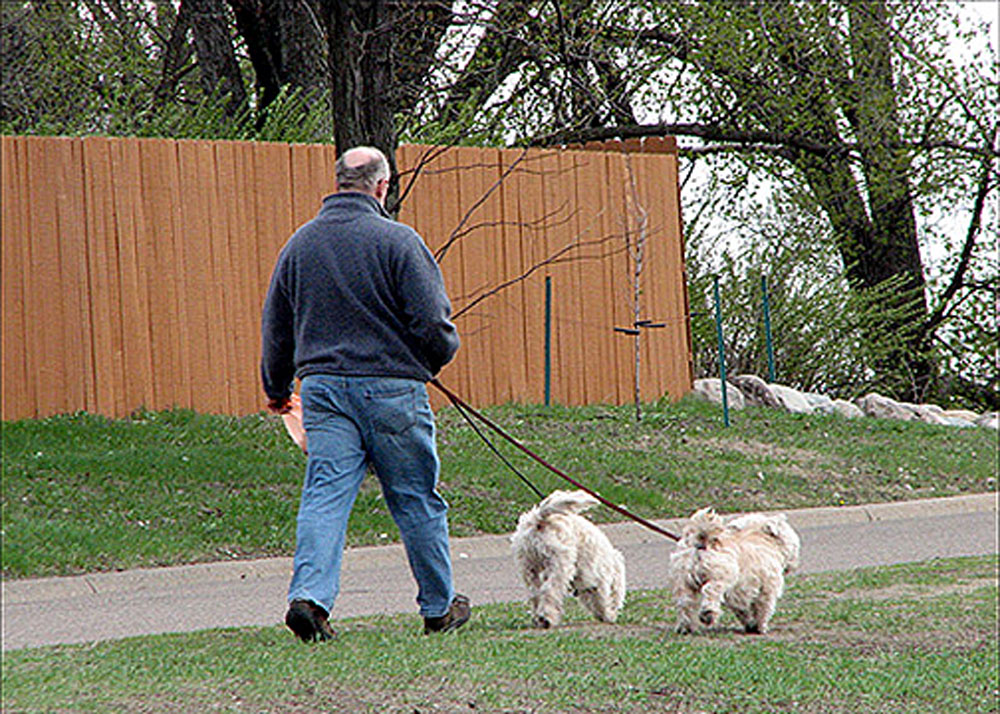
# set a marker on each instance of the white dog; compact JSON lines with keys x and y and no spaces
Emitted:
{"x":740,"y":564}
{"x":558,"y":550}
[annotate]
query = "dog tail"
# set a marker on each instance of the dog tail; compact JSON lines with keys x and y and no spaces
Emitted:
{"x":566,"y":502}
{"x":778,"y":527}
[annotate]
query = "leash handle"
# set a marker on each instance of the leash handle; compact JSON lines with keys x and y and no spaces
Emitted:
{"x":460,"y":405}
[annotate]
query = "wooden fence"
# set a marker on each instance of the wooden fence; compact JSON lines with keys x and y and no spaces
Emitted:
{"x":134,"y":269}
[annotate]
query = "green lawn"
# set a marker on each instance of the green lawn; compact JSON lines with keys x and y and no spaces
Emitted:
{"x":83,"y":493}
{"x":918,"y":639}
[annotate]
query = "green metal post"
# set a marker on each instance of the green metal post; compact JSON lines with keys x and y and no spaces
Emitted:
{"x":767,"y":330}
{"x":722,"y":353}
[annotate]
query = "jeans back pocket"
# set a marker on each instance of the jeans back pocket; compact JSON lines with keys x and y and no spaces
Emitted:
{"x":392,"y":405}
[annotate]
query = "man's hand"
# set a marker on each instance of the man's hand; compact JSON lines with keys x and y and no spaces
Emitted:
{"x":279,"y":406}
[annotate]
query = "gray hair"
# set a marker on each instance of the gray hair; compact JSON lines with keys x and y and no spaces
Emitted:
{"x":364,"y":176}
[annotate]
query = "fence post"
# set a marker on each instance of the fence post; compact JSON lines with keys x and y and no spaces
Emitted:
{"x":722,"y":352}
{"x":767,"y":329}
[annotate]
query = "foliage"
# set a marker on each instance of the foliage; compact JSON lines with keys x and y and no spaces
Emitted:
{"x":818,"y":324}
{"x":69,"y":73}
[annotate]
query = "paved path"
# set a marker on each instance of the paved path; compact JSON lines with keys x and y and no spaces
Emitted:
{"x":376,"y":580}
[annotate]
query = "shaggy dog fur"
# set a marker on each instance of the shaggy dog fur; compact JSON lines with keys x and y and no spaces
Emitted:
{"x":557,"y":550}
{"x":740,"y":564}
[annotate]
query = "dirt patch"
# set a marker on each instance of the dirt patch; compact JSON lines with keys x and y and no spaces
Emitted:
{"x":905,"y":591}
{"x":760,"y":449}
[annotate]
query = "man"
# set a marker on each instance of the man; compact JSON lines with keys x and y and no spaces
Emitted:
{"x":357,"y":310}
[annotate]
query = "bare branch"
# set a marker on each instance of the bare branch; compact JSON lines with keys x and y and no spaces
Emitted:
{"x":443,"y":250}
{"x":971,"y":234}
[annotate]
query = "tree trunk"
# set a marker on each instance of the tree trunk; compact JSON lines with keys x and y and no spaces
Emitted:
{"x":361,"y":46}
{"x":263,"y":46}
{"x":301,"y":43}
{"x":220,"y":71}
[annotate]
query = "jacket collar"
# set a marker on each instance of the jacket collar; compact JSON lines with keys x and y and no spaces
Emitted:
{"x":352,"y":201}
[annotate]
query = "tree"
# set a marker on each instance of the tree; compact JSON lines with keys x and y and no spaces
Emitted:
{"x":853,"y":108}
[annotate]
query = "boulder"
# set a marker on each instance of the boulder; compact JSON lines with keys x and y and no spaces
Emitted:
{"x":847,"y":409}
{"x":791,"y":399}
{"x":756,"y":391}
{"x":875,"y":405}
{"x":820,"y":403}
{"x":710,"y":389}
{"x":969,"y":416}
{"x":956,"y":421}
{"x":989,"y":420}
{"x":929,"y":413}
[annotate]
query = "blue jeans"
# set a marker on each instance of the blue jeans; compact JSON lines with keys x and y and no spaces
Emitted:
{"x":387,"y":422}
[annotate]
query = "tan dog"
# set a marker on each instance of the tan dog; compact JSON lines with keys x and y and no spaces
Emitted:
{"x":740,"y":564}
{"x":557,"y":550}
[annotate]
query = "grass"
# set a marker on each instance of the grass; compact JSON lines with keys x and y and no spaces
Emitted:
{"x":918,"y":638}
{"x":83,"y":493}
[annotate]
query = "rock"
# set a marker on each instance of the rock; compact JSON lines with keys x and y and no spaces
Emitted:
{"x":875,"y":405}
{"x":847,"y":409}
{"x":929,"y":413}
{"x":791,"y":399}
{"x":710,"y":389}
{"x":989,"y":420}
{"x":956,"y":421}
{"x":750,"y":389}
{"x":969,"y":416}
{"x":756,"y":391}
{"x":820,"y":403}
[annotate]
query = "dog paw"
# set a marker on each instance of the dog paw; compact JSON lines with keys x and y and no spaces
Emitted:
{"x":707,"y":617}
{"x":541,"y":622}
{"x":684,"y":628}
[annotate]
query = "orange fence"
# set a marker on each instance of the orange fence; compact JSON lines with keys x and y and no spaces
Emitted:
{"x":134,"y":269}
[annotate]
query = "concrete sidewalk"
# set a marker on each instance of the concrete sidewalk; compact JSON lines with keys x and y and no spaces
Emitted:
{"x":376,"y":580}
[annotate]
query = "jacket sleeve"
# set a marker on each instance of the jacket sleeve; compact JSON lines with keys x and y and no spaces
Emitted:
{"x":427,"y":307}
{"x":277,"y":362}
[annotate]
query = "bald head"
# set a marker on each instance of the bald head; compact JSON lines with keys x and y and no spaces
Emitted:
{"x":363,"y":168}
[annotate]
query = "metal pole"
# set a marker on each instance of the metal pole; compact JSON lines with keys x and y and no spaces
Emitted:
{"x":767,"y":330}
{"x":548,"y":339}
{"x":722,"y":353}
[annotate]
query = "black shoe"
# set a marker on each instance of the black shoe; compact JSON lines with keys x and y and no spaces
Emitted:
{"x":308,"y":621}
{"x":458,"y":614}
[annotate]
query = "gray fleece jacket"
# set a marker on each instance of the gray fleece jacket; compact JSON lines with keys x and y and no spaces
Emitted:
{"x":354,"y":293}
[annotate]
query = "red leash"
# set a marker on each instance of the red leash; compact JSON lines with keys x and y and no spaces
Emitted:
{"x":462,"y":405}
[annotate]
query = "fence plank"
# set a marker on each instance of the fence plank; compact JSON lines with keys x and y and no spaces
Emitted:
{"x":133,"y":256}
{"x":514,"y":317}
{"x":443,"y":175}
{"x":18,"y":387}
{"x":161,"y":204}
{"x":73,"y":277}
{"x":473,"y":250}
{"x":106,"y":312}
{"x":622,"y":273}
{"x":200,"y":351}
{"x":240,"y":252}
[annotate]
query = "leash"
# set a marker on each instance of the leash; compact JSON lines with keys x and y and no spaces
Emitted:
{"x":464,"y":407}
{"x":481,"y":435}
